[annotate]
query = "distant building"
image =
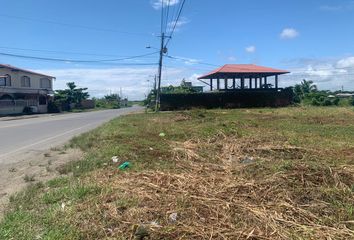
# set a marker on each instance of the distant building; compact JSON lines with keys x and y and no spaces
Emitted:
{"x":345,"y":95}
{"x":184,"y":87}
{"x":20,"y":88}
{"x":123,"y":102}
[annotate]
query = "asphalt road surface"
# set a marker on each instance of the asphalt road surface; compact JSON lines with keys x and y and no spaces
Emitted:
{"x":22,"y":136}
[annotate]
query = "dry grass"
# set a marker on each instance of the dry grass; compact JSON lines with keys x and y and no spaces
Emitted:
{"x":238,"y":174}
{"x":219,"y":197}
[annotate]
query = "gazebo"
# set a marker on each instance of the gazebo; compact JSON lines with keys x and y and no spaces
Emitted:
{"x":244,"y":77}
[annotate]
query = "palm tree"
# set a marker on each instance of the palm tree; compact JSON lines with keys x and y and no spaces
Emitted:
{"x":308,"y":87}
{"x":304,"y":88}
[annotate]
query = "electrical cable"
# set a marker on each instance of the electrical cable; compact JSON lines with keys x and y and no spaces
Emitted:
{"x":168,"y":11}
{"x":74,"y":25}
{"x":176,"y":22}
{"x":64,"y":52}
{"x":74,"y":61}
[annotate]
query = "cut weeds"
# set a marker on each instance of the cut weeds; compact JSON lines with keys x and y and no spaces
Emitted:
{"x":225,"y":174}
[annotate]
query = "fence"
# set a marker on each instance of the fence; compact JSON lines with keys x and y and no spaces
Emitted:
{"x":237,"y":99}
{"x":15,"y":106}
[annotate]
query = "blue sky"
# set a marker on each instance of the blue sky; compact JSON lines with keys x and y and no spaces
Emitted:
{"x":313,"y":39}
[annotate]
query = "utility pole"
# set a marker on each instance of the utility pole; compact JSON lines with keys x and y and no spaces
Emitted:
{"x":163,"y":50}
{"x":155,"y":78}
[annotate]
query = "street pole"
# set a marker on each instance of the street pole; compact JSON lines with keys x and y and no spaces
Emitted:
{"x":162,"y":50}
{"x":155,"y":78}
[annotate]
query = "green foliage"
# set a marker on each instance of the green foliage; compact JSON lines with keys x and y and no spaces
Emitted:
{"x":303,"y":89}
{"x":178,"y":89}
{"x":53,"y":107}
{"x":307,"y":93}
{"x":111,"y":101}
{"x":150,"y":100}
{"x":320,"y":98}
{"x":71,"y":95}
{"x":351,"y":101}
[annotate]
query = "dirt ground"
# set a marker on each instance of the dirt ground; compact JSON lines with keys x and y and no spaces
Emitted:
{"x":34,"y":166}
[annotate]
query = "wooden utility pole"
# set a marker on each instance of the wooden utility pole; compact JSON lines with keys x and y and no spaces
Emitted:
{"x":162,"y":51}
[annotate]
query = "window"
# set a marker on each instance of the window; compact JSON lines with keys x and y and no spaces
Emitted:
{"x":2,"y":81}
{"x":5,"y":80}
{"x":45,"y":83}
{"x":25,"y":81}
{"x":8,"y":80}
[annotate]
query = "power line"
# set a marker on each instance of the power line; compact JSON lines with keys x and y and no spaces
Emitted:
{"x":162,"y":16}
{"x":196,"y":62}
{"x":74,"y":25}
{"x":75,"y":61}
{"x":168,"y":11}
{"x":176,"y":22}
{"x":64,"y":52}
{"x":190,"y":67}
{"x":172,"y":16}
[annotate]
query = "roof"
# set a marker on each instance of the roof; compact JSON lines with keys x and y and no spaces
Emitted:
{"x":242,"y":70}
{"x":23,"y":70}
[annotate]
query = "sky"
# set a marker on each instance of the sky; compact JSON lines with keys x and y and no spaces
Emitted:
{"x":311,"y":38}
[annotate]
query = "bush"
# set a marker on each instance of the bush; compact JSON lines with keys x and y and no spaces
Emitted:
{"x":27,"y":110}
{"x":107,"y":104}
{"x":336,"y":101}
{"x":53,"y":107}
{"x":327,"y":102}
{"x":315,"y":102}
{"x":351,"y":101}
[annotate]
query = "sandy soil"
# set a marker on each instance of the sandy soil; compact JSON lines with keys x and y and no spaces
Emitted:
{"x":34,"y":166}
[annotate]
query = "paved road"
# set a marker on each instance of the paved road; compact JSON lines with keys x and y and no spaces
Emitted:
{"x":19,"y":137}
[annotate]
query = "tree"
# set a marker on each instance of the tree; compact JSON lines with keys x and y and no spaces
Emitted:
{"x":112,"y":97}
{"x":303,"y":89}
{"x":308,"y":87}
{"x":71,"y":95}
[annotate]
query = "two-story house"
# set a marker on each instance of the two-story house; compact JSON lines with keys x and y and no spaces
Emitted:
{"x":20,"y":88}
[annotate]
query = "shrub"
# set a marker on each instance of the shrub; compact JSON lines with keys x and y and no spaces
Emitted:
{"x":327,"y":102}
{"x":53,"y":107}
{"x":315,"y":102}
{"x":351,"y":101}
{"x":336,"y":101}
{"x":27,"y":110}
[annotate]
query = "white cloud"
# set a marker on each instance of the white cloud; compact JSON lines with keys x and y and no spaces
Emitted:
{"x":251,"y":49}
{"x":329,"y":74}
{"x":289,"y":33}
{"x":346,"y":62}
{"x":182,"y":21}
{"x":157,"y":4}
{"x":132,"y":80}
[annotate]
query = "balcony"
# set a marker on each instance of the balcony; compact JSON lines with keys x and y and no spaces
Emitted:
{"x":12,"y":90}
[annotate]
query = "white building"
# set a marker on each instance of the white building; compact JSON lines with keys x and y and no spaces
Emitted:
{"x":20,"y":88}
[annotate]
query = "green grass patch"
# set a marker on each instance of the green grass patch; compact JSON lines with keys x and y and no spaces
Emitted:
{"x":277,"y":166}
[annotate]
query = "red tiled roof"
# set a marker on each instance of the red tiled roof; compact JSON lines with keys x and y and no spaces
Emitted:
{"x":23,"y":70}
{"x":243,"y":69}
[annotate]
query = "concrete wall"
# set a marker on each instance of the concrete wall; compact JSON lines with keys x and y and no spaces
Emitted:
{"x":16,"y":79}
{"x":87,"y":104}
{"x":10,"y":110}
{"x":8,"y":107}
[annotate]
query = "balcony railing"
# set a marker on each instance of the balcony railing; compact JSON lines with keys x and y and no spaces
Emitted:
{"x":17,"y":103}
{"x":12,"y":90}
